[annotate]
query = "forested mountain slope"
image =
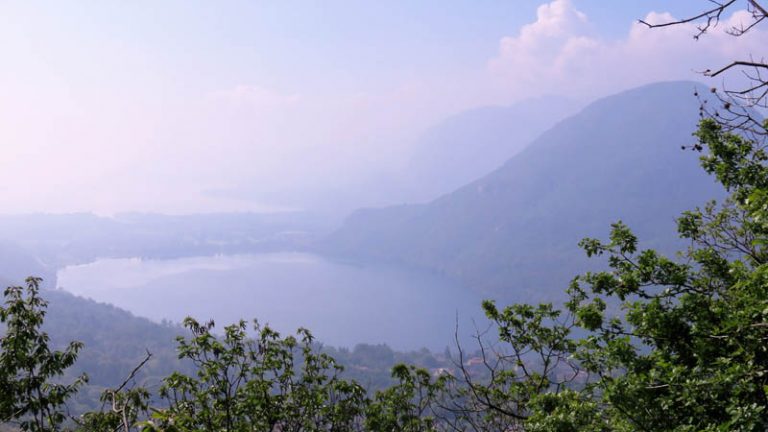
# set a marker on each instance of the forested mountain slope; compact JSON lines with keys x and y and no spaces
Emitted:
{"x":514,"y":233}
{"x":115,"y":342}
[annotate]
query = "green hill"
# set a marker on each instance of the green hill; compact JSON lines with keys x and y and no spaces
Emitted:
{"x":513,"y":234}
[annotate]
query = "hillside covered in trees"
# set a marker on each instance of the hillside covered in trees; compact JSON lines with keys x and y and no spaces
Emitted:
{"x":515,"y":231}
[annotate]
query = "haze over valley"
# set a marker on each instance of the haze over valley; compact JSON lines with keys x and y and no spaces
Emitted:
{"x":370,"y":171}
{"x":510,"y":235}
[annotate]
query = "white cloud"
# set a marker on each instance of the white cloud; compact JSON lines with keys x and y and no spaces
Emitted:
{"x":560,"y":53}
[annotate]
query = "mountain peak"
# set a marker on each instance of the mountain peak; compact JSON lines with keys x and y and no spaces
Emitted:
{"x":516,"y":229}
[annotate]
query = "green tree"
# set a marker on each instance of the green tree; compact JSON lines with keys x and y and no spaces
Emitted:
{"x":266,"y":383}
{"x":122,"y":407}
{"x":29,"y":367}
{"x":407,"y":405}
{"x":685,"y":347}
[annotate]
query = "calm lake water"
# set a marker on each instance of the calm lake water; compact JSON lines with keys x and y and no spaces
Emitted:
{"x":342,"y":304}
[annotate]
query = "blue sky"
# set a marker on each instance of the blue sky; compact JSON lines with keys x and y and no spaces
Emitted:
{"x":150,"y":105}
{"x":276,"y":43}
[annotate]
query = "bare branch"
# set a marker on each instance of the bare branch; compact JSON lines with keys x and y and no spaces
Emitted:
{"x":743,"y":63}
{"x":134,"y":372}
{"x":712,"y":18}
{"x":759,"y":8}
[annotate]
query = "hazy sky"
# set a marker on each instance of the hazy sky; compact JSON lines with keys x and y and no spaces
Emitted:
{"x":179,"y":106}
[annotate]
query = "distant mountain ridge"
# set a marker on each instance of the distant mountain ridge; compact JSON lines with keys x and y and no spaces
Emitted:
{"x":514,"y":233}
{"x":470,"y":144}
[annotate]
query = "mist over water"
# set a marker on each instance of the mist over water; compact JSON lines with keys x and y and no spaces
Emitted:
{"x":342,"y":304}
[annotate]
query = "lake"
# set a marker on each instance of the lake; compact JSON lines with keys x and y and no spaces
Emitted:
{"x":342,"y":304}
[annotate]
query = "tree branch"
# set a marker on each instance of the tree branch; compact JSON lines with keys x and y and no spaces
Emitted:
{"x":758,"y":65}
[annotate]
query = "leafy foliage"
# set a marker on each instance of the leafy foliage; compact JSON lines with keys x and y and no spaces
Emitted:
{"x":686,"y":348}
{"x":29,"y":367}
{"x":256,"y":384}
{"x":407,"y":405}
